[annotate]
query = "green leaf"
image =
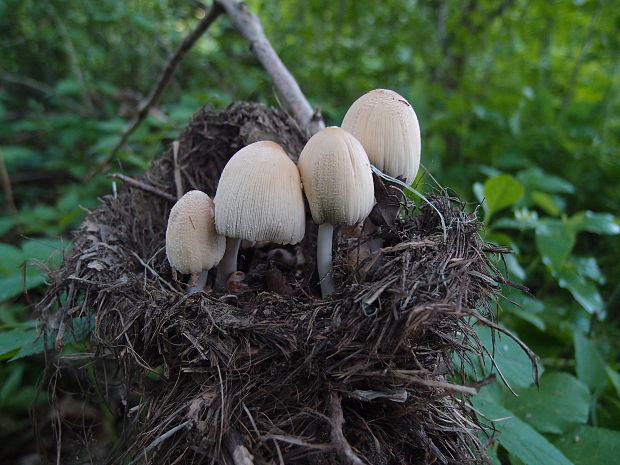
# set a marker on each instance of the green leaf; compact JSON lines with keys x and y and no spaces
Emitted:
{"x":12,"y":341}
{"x":537,"y":179}
{"x":599,"y":223}
{"x":12,"y":259}
{"x":526,"y":308}
{"x":591,"y":367}
{"x":554,"y":240}
{"x":501,"y":192}
{"x":584,"y":291}
{"x":546,"y":202}
{"x":509,"y":357}
{"x":561,"y":404}
{"x":588,"y":445}
{"x":519,"y":438}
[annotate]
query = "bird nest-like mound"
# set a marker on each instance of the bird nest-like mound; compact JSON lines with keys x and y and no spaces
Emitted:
{"x":272,"y":373}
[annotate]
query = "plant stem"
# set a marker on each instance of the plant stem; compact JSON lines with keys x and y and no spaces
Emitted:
{"x":324,"y":258}
{"x":228,"y":264}
{"x":200,"y":284}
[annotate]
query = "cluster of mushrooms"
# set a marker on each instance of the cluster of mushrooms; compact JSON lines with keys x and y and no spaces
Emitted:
{"x":260,"y":195}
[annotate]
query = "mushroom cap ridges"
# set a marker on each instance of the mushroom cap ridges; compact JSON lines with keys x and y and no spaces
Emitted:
{"x":386,"y":125}
{"x":336,"y":176}
{"x":192,"y":244}
{"x":259,"y":196}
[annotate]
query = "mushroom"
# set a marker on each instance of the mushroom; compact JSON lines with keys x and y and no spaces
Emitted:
{"x":258,"y":198}
{"x":337,"y":180}
{"x":192,"y":245}
{"x":386,"y":125}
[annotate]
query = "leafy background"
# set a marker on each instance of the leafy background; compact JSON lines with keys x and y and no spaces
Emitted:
{"x":519,"y":108}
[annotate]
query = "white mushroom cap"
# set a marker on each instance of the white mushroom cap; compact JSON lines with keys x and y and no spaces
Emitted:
{"x":192,"y":245}
{"x":259,"y":196}
{"x":386,"y":125}
{"x":337,"y":178}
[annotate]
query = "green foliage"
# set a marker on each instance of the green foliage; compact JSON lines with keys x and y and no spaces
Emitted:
{"x":517,"y":99}
{"x":520,"y":439}
{"x":588,"y":445}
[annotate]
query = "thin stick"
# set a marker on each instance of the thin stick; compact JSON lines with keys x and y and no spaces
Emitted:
{"x":249,"y":26}
{"x":142,"y":186}
{"x":340,"y":443}
{"x":162,"y":82}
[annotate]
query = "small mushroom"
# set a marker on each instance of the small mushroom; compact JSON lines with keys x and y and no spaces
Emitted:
{"x":192,"y":244}
{"x":259,"y":198}
{"x":386,"y":125}
{"x":338,"y":183}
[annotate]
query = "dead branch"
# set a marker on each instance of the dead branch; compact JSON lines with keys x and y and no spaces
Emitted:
{"x":340,"y":443}
{"x":162,"y":82}
{"x":249,"y":26}
{"x":142,"y":186}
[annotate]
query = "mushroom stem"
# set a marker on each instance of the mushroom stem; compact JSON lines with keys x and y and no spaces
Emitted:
{"x":228,"y":264}
{"x":324,"y":258}
{"x":200,"y":283}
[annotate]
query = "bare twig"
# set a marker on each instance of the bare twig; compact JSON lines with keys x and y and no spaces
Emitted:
{"x":340,"y":443}
{"x":142,"y":186}
{"x":250,"y":27}
{"x":162,"y":82}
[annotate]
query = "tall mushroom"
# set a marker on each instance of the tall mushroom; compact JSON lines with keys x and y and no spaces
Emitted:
{"x":338,"y":183}
{"x":388,"y":129}
{"x":192,"y":245}
{"x":258,"y":198}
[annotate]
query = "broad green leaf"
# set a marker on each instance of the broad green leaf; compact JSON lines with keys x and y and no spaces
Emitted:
{"x":526,"y":308}
{"x":599,"y":223}
{"x":554,"y":240}
{"x":13,"y":340}
{"x":588,"y":267}
{"x":519,"y":438}
{"x":537,"y":179}
{"x":591,"y":367}
{"x":583,"y":290}
{"x":513,"y":363}
{"x":562,"y":403}
{"x":588,"y":445}
{"x":501,"y":192}
{"x":546,"y":202}
{"x":11,"y":258}
{"x":48,"y":250}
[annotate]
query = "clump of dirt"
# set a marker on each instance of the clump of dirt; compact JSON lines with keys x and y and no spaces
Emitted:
{"x":273,"y":373}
